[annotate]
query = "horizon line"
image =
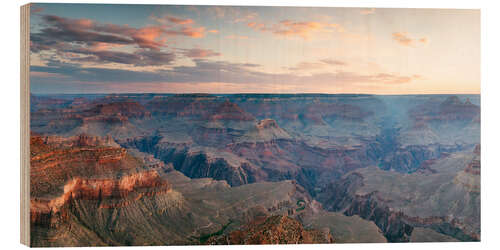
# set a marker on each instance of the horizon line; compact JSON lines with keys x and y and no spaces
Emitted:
{"x":243,"y":93}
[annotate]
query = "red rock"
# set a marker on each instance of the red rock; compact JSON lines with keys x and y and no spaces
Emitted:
{"x":278,"y":229}
{"x":145,"y":183}
{"x":231,"y":111}
{"x":56,"y":160}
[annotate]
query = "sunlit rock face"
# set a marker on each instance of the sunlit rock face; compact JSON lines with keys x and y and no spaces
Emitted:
{"x":118,"y":191}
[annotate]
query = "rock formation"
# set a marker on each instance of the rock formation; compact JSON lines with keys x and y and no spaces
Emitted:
{"x":109,"y":192}
{"x":146,"y":169}
{"x":277,"y":229}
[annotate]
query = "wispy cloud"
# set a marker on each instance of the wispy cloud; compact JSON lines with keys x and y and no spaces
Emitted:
{"x":301,"y":29}
{"x":218,"y":71}
{"x":246,"y":17}
{"x":320,"y":64}
{"x":166,"y":19}
{"x":367,"y":11}
{"x":138,"y":58}
{"x":233,"y":14}
{"x":403,"y":38}
{"x":199,"y":53}
{"x":333,"y":62}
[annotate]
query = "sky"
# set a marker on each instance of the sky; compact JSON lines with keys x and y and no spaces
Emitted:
{"x":94,"y":48}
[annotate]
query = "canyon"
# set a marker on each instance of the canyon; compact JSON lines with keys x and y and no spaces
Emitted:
{"x":156,"y":169}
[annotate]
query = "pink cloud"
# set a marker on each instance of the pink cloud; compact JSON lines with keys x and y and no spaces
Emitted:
{"x":317,"y":65}
{"x":403,"y":38}
{"x":180,"y":20}
{"x":293,"y":28}
{"x":193,"y":32}
{"x":256,"y":25}
{"x":367,"y":11}
{"x":246,"y":17}
{"x":98,"y":46}
{"x":147,"y":37}
{"x":171,"y":19}
{"x":423,"y":40}
{"x":330,"y":61}
{"x":90,"y":32}
{"x":200,"y":53}
{"x":181,"y":26}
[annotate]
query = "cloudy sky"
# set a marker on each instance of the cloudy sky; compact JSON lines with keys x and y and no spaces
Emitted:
{"x":79,"y":48}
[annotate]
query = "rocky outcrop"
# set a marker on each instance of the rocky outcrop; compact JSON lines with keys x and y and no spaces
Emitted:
{"x":341,"y":196}
{"x":197,"y":163}
{"x":201,"y":165}
{"x":285,"y":159}
{"x":474,"y":166}
{"x":412,"y":158}
{"x":337,"y":196}
{"x":307,"y":109}
{"x":201,"y":107}
{"x":56,"y":160}
{"x":266,"y":130}
{"x":391,"y":223}
{"x":470,"y":177}
{"x":267,"y":123}
{"x":451,"y":109}
{"x":230,"y":111}
{"x":183,"y":105}
{"x":125,"y":108}
{"x":399,"y":202}
{"x":82,"y":140}
{"x":397,"y":226}
{"x":278,"y":229}
{"x":98,"y":117}
{"x":110,"y":192}
{"x":213,"y":136}
{"x":112,"y":112}
{"x":44,"y":102}
{"x":316,"y":112}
